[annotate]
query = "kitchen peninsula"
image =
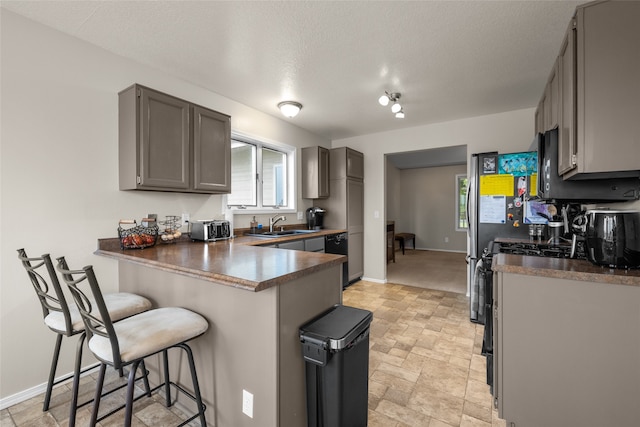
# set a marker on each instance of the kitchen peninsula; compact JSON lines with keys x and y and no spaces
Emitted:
{"x":255,"y":299}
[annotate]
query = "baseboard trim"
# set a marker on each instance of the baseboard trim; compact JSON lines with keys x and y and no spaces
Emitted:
{"x":369,"y":279}
{"x":27,"y":394}
{"x":437,"y":250}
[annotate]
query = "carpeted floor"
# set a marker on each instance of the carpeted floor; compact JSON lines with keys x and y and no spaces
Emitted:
{"x":443,"y":271}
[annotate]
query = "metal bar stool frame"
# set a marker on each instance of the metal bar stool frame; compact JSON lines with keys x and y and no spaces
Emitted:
{"x":104,"y":327}
{"x":57,"y":303}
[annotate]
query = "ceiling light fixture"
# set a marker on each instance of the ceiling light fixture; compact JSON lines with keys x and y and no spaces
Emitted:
{"x":290,"y":108}
{"x":394,"y":97}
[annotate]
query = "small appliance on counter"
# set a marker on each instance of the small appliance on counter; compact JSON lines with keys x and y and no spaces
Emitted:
{"x":612,"y":236}
{"x":210,"y":230}
{"x":315,"y":218}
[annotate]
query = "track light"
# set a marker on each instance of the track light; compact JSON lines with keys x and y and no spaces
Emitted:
{"x":290,"y":108}
{"x":396,"y":108}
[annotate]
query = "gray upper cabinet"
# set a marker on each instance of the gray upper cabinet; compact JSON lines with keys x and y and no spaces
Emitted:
{"x":346,"y":163}
{"x":211,"y":151}
{"x":598,"y":69}
{"x":547,"y":113}
{"x":567,"y":78}
{"x":315,"y":173}
{"x":168,"y":144}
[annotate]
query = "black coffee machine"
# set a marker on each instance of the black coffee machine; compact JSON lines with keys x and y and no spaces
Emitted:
{"x":315,"y":216}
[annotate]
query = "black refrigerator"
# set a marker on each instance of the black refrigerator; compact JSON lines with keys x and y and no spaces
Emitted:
{"x":500,"y":203}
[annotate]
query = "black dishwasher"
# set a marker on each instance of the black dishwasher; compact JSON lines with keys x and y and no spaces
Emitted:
{"x":339,"y":244}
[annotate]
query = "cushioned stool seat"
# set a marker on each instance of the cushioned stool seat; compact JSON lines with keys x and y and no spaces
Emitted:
{"x":148,"y":333}
{"x":120,"y":305}
{"x":130,"y":340}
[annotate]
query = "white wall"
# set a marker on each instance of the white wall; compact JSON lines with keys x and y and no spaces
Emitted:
{"x":426,"y":206}
{"x":510,"y":131}
{"x":59,"y":174}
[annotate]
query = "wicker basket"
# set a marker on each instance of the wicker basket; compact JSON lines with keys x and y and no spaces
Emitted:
{"x":134,"y":236}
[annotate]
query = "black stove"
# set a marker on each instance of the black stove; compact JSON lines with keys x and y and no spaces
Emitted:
{"x":539,"y":248}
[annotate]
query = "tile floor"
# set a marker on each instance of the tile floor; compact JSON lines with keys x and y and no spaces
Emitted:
{"x":425,"y":368}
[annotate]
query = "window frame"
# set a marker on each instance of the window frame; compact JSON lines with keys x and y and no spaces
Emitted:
{"x":290,"y":176}
{"x":458,"y":179}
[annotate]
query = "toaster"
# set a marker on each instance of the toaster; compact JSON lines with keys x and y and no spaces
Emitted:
{"x":210,"y":230}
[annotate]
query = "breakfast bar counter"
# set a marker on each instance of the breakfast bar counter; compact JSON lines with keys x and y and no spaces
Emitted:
{"x":255,"y":300}
{"x":238,"y":262}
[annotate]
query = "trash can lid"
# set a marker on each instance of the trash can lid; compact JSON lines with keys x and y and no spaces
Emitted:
{"x":339,"y":326}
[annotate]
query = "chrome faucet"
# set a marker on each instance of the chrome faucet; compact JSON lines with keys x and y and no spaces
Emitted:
{"x":272,"y":221}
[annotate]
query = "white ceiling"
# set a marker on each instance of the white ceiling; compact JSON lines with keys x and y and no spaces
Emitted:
{"x":449,"y":59}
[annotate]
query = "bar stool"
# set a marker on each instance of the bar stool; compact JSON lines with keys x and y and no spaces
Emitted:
{"x":131,"y":340}
{"x":65,"y":320}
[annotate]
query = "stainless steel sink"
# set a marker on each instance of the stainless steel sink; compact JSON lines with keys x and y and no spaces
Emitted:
{"x":271,"y":234}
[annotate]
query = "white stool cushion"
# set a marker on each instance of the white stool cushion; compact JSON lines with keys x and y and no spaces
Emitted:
{"x":119,"y":305}
{"x":149,"y":332}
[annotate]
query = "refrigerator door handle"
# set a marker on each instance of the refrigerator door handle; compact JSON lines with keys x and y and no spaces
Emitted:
{"x":472,"y":206}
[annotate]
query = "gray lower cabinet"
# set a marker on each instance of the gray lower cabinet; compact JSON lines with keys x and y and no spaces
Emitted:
{"x":315,"y":173}
{"x":168,"y":144}
{"x":315,"y":244}
{"x":566,"y":352}
{"x":296,"y":245}
{"x":598,"y":103}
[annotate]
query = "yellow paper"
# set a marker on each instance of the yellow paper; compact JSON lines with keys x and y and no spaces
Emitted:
{"x":533,"y":184}
{"x":496,"y":185}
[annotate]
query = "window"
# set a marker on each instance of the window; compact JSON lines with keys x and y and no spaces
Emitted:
{"x":261,"y":175}
{"x":461,"y":202}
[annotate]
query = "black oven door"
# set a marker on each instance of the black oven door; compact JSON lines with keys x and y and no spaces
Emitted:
{"x":487,"y":341}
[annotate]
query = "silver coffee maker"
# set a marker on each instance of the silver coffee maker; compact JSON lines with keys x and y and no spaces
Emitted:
{"x":315,"y":216}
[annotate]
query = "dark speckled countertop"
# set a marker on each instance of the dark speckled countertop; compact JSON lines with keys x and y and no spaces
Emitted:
{"x":239,"y":262}
{"x":563,"y":268}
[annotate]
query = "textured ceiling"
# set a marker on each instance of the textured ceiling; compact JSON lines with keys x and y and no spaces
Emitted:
{"x":449,"y":59}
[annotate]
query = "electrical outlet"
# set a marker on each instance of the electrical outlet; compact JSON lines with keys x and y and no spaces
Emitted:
{"x":185,"y":218}
{"x":247,"y":403}
{"x":300,"y":215}
{"x":376,"y":214}
{"x":446,"y":240}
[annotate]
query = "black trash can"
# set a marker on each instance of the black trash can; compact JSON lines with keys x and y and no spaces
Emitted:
{"x":335,"y":347}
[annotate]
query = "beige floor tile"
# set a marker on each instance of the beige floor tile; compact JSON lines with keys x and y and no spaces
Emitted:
{"x":478,"y":393}
{"x":480,"y":412}
{"x":402,"y":414}
{"x":468,"y":421}
{"x":437,"y":404}
{"x":377,"y":419}
{"x":437,"y":423}
{"x":399,"y":372}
